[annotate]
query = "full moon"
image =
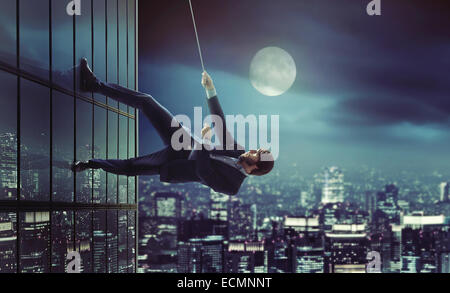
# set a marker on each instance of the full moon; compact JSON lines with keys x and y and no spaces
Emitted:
{"x":272,"y":71}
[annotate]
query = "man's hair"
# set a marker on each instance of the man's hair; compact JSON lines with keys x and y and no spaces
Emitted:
{"x":265,"y":163}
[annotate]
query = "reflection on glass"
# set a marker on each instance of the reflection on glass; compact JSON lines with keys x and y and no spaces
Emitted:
{"x":34,"y":37}
{"x":83,"y":34}
{"x":99,"y":221}
{"x":111,"y":6}
{"x":131,"y":241}
{"x":112,"y":154}
{"x":92,"y":233}
{"x":62,"y":239}
{"x":8,"y":136}
{"x":63,"y":139}
{"x":123,"y":41}
{"x":8,"y":242}
{"x":123,"y":154}
{"x":123,"y":239}
{"x":131,"y":44}
{"x":111,"y":242}
{"x":62,"y":45}
{"x":35,"y":141}
{"x":8,"y":53}
{"x":34,"y":242}
{"x":131,"y":51}
{"x":84,"y":150}
{"x":99,"y":58}
{"x":83,"y":240}
{"x":99,"y":183}
{"x":132,"y":154}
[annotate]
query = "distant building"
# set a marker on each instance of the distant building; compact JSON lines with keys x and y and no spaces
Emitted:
{"x":333,"y":185}
{"x":387,"y":202}
{"x":167,"y":205}
{"x":246,"y":257}
{"x":219,"y":203}
{"x":34,"y":244}
{"x":8,"y":239}
{"x":201,"y":228}
{"x":370,"y":203}
{"x":202,"y":255}
{"x":346,"y":248}
{"x":8,"y":169}
{"x":159,"y":234}
{"x":240,"y":219}
{"x":444,"y":189}
{"x":277,"y":249}
{"x":445,"y":263}
{"x":425,"y":243}
{"x":306,"y":244}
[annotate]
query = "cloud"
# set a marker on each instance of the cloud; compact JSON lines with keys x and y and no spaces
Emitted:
{"x":373,"y":110}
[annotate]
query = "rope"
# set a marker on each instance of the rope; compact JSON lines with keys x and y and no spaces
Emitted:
{"x":196,"y":36}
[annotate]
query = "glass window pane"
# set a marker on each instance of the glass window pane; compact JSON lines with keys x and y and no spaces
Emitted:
{"x":123,"y":154}
{"x":83,"y":240}
{"x":132,"y":190}
{"x":113,"y":121}
{"x":34,"y":242}
{"x":132,"y":48}
{"x":34,"y":37}
{"x":123,"y":41}
{"x":131,"y":241}
{"x":63,"y":152}
{"x":111,"y":6}
{"x":8,"y":34}
{"x":83,"y":34}
{"x":62,"y":45}
{"x":131,"y":44}
{"x":131,"y":154}
{"x":111,"y":241}
{"x":8,"y":242}
{"x":84,"y":150}
{"x":8,"y":136}
{"x":62,"y":239}
{"x":123,"y":239}
{"x":35,"y":141}
{"x":99,"y":241}
{"x":99,"y":183}
{"x":99,"y":59}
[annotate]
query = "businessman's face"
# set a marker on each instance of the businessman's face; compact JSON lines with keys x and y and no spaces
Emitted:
{"x":251,"y":157}
{"x":252,"y":163}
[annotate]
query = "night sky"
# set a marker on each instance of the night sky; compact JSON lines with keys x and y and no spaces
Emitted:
{"x":369,"y":90}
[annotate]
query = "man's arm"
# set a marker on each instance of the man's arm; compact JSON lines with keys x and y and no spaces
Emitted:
{"x":226,"y":139}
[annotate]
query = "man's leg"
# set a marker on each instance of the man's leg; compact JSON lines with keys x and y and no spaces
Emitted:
{"x":146,"y":165}
{"x":158,"y":115}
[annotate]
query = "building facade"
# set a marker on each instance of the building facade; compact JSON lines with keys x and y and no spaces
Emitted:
{"x":46,"y":123}
{"x":333,"y":185}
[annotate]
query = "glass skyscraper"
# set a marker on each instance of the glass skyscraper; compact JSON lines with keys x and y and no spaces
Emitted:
{"x":46,"y":123}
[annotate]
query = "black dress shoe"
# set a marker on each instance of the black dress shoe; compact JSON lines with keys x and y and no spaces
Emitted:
{"x":79,"y":166}
{"x":89,"y":82}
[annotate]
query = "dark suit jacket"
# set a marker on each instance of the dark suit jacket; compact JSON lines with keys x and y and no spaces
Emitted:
{"x":199,"y":167}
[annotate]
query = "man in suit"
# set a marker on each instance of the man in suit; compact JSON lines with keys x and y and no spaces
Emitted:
{"x":223,"y":169}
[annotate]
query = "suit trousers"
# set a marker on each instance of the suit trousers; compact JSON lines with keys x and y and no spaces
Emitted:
{"x":159,"y":117}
